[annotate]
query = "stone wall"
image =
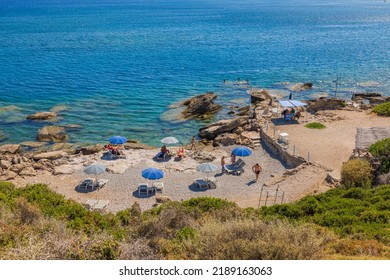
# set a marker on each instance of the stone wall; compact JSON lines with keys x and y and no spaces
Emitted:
{"x":289,"y":159}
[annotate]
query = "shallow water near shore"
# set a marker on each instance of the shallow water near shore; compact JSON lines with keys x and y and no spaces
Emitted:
{"x":116,"y":68}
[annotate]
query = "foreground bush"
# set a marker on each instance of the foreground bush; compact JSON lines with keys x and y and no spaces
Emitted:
{"x":381,"y":149}
{"x":249,"y":239}
{"x":382,"y":109}
{"x":357,"y":173}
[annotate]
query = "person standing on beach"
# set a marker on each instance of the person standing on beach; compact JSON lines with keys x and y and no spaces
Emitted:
{"x":223,"y":163}
{"x":256,"y":169}
{"x":193,"y":143}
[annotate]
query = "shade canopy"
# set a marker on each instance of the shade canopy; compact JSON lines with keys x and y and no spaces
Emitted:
{"x":242,"y":151}
{"x":95,"y":169}
{"x":207,"y":167}
{"x":117,"y":140}
{"x":152,"y":173}
{"x":291,"y":103}
{"x":169,"y":140}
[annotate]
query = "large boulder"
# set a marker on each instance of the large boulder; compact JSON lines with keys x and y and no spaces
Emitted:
{"x":226,"y":139}
{"x":42,"y":116}
{"x":89,"y":150}
{"x":301,"y":86}
{"x":28,"y":171}
{"x":200,"y":106}
{"x":50,"y":155}
{"x":325,"y":104}
{"x":52,"y":134}
{"x":211,"y":131}
{"x":260,"y":96}
{"x":10,"y":149}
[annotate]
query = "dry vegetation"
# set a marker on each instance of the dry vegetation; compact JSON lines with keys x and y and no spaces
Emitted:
{"x":36,"y":223}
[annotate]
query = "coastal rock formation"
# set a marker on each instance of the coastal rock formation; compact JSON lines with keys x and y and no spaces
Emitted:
{"x":226,"y":139}
{"x":50,"y":155}
{"x":118,"y":168}
{"x":135,"y":145}
{"x":52,"y":134}
{"x":10,"y":149}
{"x":325,"y":104}
{"x":201,"y":156}
{"x":260,"y":96}
{"x":201,"y":106}
{"x":211,"y":131}
{"x":301,"y":86}
{"x":89,"y":150}
{"x":28,"y":171}
{"x":42,"y":116}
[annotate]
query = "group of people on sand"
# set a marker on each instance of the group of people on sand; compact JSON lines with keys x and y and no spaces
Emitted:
{"x":181,"y":152}
{"x":291,"y":114}
{"x":113,"y":149}
{"x":255,"y":168}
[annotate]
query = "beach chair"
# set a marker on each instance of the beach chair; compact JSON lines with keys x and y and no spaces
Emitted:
{"x":159,"y":187}
{"x":86,"y":183}
{"x":89,"y":204}
{"x":212,"y":182}
{"x":201,"y":183}
{"x":143,"y":189}
{"x":161,"y":156}
{"x":101,"y":205}
{"x":100,"y":183}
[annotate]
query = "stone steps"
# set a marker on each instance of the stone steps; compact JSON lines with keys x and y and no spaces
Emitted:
{"x":253,"y":136}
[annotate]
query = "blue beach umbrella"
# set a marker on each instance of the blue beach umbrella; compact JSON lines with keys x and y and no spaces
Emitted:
{"x":241,"y":151}
{"x":117,"y":140}
{"x":152,"y":173}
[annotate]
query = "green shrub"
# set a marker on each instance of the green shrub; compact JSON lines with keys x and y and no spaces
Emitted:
{"x":382,"y":109}
{"x":381,"y":149}
{"x":315,"y":125}
{"x":357,"y":173}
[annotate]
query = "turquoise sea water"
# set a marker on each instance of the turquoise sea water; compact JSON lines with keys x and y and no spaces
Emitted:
{"x":117,"y":67}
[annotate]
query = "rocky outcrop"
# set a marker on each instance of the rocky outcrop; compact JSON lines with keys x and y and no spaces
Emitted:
{"x":202,"y":156}
{"x":260,"y":96}
{"x":135,"y":145}
{"x":50,"y":155}
{"x":52,"y":134}
{"x":89,"y":150}
{"x":325,"y":104}
{"x":226,"y":139}
{"x":10,"y":149}
{"x":42,"y":116}
{"x":118,"y":168}
{"x":201,"y":106}
{"x":211,"y":131}
{"x":301,"y":86}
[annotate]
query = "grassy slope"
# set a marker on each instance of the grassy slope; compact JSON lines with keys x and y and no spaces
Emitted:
{"x":36,"y":223}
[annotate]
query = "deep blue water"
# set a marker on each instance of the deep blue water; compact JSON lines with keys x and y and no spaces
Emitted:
{"x":117,"y":67}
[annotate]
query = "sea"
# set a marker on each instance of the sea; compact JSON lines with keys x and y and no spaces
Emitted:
{"x":121,"y":67}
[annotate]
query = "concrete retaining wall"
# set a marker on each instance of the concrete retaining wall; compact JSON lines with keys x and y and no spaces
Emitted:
{"x":291,"y":160}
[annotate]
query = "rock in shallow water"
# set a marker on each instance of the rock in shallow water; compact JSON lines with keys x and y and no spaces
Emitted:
{"x":42,"y":116}
{"x":52,"y":134}
{"x":201,"y":106}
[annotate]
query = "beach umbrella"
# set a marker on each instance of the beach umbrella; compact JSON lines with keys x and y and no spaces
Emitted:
{"x":169,"y":140}
{"x":152,"y":173}
{"x":117,"y":140}
{"x":207,"y":167}
{"x":95,"y":169}
{"x":241,"y":151}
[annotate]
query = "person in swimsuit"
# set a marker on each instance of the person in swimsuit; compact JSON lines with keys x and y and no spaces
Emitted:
{"x":256,"y":169}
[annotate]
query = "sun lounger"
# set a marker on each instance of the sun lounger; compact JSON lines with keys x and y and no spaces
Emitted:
{"x":86,"y":183}
{"x":100,"y":183}
{"x":159,"y":187}
{"x":101,"y":205}
{"x":144,"y":189}
{"x":212,"y":182}
{"x":161,"y":156}
{"x":90,"y":203}
{"x":201,"y":183}
{"x":235,"y":169}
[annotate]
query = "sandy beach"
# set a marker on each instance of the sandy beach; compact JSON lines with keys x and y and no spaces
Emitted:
{"x":329,"y":148}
